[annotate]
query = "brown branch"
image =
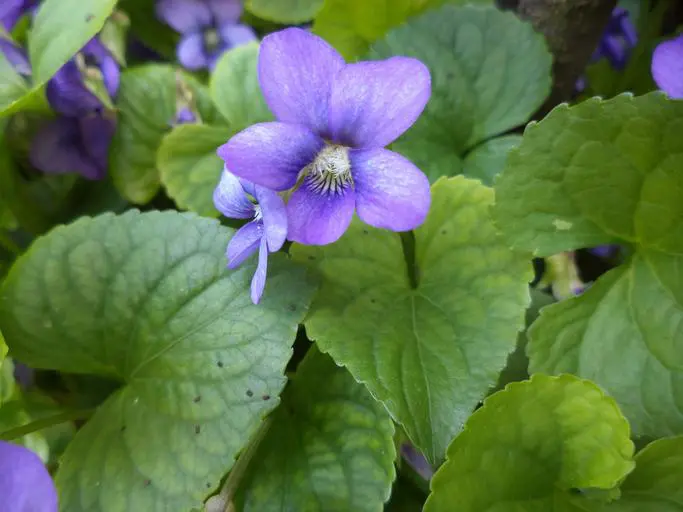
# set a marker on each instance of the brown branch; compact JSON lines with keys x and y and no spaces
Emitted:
{"x":572,"y":29}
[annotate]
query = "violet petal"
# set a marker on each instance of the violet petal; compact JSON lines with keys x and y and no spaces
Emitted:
{"x":271,"y":154}
{"x":236,"y":35}
{"x":391,"y":193}
{"x":244,"y":243}
{"x":667,"y":67}
{"x":15,"y":56}
{"x":10,"y":12}
{"x":258,"y":282}
{"x":274,"y":217}
{"x":319,"y":219}
{"x":230,"y":199}
{"x":296,"y":70}
{"x":57,"y":149}
{"x":25,"y":483}
{"x":67,"y":94}
{"x":111,"y":75}
{"x":97,"y":132}
{"x":184,"y":15}
{"x":191,"y":53}
{"x":225,"y":11}
{"x":373,"y":103}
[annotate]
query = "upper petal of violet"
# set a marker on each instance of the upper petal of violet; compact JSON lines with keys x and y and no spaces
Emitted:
{"x":15,"y":56}
{"x":296,"y":70}
{"x":667,"y":67}
{"x":391,"y":193}
{"x":274,"y":216}
{"x":230,"y":199}
{"x":25,"y":483}
{"x":271,"y":154}
{"x":184,"y":15}
{"x":225,"y":11}
{"x":373,"y":103}
{"x":316,"y":218}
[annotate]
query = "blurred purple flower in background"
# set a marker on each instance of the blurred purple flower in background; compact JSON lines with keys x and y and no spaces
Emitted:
{"x":266,"y":231}
{"x":15,"y":56}
{"x":667,"y":67}
{"x":208,"y":28}
{"x":618,"y":40}
{"x":334,"y":119}
{"x":67,"y":92}
{"x":12,"y":10}
{"x":78,"y":139}
{"x":25,"y":484}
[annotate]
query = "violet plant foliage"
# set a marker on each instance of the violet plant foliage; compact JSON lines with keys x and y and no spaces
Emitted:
{"x":228,"y":284}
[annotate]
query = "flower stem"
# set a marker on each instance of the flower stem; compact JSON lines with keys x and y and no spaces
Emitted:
{"x":42,"y":423}
{"x":223,"y":501}
{"x":408,"y":243}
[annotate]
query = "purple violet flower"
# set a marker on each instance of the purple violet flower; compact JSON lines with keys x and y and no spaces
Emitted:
{"x":67,"y":92}
{"x":74,"y":144}
{"x":334,"y":120}
{"x":15,"y":56}
{"x":12,"y":10}
{"x":266,"y":230}
{"x":618,"y":39}
{"x":25,"y":483}
{"x":667,"y":67}
{"x":208,"y":28}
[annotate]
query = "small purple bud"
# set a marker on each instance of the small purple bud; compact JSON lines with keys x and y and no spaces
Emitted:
{"x":417,"y":461}
{"x":15,"y":56}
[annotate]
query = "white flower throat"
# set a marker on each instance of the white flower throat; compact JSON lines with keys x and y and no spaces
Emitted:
{"x":330,"y":171}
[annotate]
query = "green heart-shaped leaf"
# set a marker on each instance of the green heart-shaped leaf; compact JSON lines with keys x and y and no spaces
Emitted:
{"x":146,"y":299}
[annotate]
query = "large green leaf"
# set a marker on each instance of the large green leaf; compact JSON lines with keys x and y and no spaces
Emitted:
{"x":146,"y":299}
{"x":599,"y":172}
{"x":190,"y":168}
{"x":655,"y":484}
{"x":235,"y":89}
{"x":490,"y":72}
{"x":284,"y":11}
{"x":12,"y":84}
{"x":530,"y":445}
{"x":147,"y":102}
{"x":487,"y":161}
{"x":330,"y":446}
{"x":352,"y":26}
{"x":60,"y":29}
{"x":429,"y":353}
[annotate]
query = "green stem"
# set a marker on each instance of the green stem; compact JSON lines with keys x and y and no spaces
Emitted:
{"x":9,"y":244}
{"x":235,"y":477}
{"x":42,"y":423}
{"x":408,"y":243}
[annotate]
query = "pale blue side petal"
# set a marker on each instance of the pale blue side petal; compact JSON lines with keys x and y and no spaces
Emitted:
{"x":244,"y":243}
{"x":274,"y":217}
{"x":25,"y":484}
{"x":235,"y":35}
{"x":258,"y":282}
{"x":230,"y":199}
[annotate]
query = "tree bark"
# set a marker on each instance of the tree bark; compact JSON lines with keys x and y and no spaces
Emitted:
{"x":572,"y":29}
